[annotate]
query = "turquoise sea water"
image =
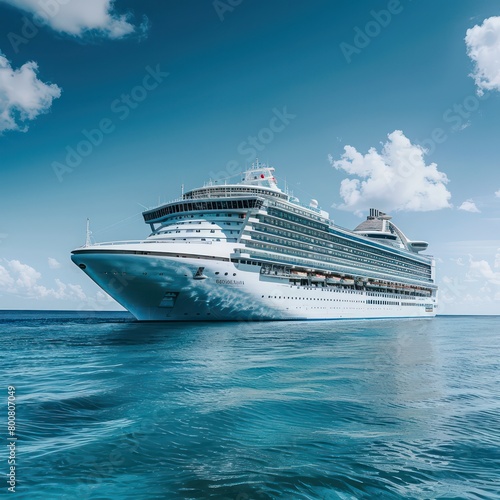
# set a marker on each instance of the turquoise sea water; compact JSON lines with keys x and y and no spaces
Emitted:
{"x":108,"y":408}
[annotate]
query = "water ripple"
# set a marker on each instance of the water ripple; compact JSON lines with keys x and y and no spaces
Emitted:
{"x":108,"y":408}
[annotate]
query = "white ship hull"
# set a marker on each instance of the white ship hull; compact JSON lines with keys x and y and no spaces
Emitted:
{"x":249,"y":251}
{"x":163,"y":287}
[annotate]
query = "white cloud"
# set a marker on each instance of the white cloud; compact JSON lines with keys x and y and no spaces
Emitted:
{"x":474,"y":288}
{"x":26,"y":275}
{"x":23,"y":282}
{"x":482,"y":269}
{"x":6,"y":280}
{"x":22,"y":95}
{"x":483,"y":47}
{"x":104,"y":297}
{"x":53,"y":263}
{"x":497,"y":193}
{"x":78,"y":17}
{"x":469,"y":206}
{"x":395,"y":179}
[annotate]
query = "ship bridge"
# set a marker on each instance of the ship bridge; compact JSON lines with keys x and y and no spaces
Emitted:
{"x":258,"y":180}
{"x":260,"y":175}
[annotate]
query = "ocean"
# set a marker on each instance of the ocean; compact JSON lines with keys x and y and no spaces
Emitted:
{"x":109,"y":408}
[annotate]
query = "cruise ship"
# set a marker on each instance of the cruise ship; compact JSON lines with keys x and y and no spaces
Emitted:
{"x":250,"y":251}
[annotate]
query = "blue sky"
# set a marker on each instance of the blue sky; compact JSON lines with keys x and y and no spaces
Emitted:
{"x":178,"y":90}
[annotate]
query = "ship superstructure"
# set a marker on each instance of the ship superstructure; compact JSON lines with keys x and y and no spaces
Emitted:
{"x":249,"y":251}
